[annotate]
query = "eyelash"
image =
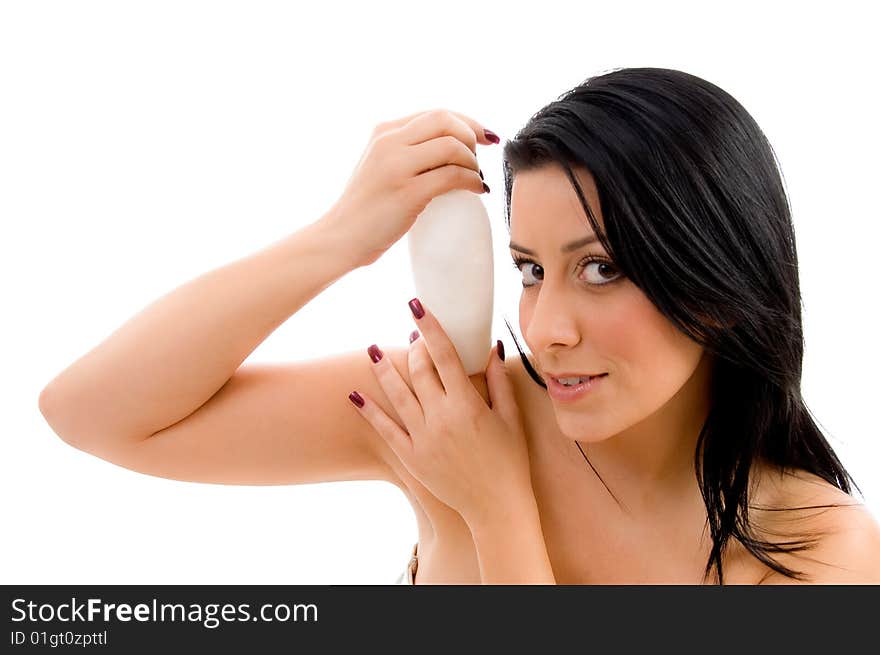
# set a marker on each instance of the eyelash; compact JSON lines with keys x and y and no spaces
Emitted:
{"x":518,"y":261}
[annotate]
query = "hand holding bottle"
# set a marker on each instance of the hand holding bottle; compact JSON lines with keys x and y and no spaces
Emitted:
{"x":406,"y":164}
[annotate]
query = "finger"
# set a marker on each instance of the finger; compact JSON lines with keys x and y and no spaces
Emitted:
{"x":398,"y":440}
{"x":500,"y":386}
{"x":443,"y":179}
{"x":443,"y":151}
{"x":431,"y":126}
{"x":477,"y":128}
{"x":397,"y":391}
{"x":443,"y":353}
{"x":423,"y":376}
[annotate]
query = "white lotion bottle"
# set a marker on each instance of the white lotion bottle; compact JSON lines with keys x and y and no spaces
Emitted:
{"x":450,"y":248}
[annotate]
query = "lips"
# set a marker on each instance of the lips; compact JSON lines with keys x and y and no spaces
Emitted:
{"x":583,"y":379}
{"x":572,"y":393}
{"x":556,"y":376}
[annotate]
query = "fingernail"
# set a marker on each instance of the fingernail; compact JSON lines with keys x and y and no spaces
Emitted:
{"x":355,"y":397}
{"x":481,"y":174}
{"x":416,"y":308}
{"x":413,"y":336}
{"x":491,"y":136}
{"x":501,"y":350}
{"x":375,"y":353}
{"x":485,"y":187}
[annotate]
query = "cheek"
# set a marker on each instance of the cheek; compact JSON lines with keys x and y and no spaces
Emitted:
{"x":657,"y":358}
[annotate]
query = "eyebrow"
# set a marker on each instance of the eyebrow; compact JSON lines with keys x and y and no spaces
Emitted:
{"x":569,"y":247}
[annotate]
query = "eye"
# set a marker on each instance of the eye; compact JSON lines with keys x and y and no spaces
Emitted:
{"x":605,"y":271}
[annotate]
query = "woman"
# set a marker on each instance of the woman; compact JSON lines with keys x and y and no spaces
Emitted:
{"x":689,"y":457}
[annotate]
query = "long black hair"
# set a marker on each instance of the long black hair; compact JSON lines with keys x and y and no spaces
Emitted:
{"x":697,"y":217}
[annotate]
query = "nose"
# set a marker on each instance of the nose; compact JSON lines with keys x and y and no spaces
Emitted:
{"x":554,"y":322}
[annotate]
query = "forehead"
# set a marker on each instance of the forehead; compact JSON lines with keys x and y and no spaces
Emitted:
{"x":545,"y":199}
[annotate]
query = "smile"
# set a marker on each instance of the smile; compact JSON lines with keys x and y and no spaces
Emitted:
{"x":563,"y":393}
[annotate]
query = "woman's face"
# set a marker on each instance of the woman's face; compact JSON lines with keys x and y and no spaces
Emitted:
{"x":584,"y":317}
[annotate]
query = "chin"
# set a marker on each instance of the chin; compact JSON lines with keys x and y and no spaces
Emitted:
{"x":580,"y":428}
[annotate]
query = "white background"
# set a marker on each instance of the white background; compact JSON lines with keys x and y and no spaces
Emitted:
{"x":142,"y":144}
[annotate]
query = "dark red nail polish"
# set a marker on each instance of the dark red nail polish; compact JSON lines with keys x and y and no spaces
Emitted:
{"x":416,"y":308}
{"x":492,"y":136}
{"x":485,"y":187}
{"x":355,"y":397}
{"x":413,"y":336}
{"x":481,"y":174}
{"x":375,"y":353}
{"x":501,"y":350}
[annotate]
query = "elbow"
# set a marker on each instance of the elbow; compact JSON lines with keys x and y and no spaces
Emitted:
{"x":49,"y":409}
{"x":53,"y":413}
{"x":45,"y":401}
{"x":74,"y":421}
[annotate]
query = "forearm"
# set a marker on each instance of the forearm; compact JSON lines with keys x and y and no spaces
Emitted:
{"x":510,"y":546}
{"x":171,"y":357}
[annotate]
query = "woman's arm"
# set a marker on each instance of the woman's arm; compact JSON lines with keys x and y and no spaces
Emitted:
{"x":510,"y":544}
{"x":166,"y":392}
{"x":174,"y":355}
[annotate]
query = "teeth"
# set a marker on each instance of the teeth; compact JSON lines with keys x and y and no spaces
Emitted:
{"x":570,"y":382}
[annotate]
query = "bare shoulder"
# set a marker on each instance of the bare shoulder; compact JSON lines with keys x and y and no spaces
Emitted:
{"x":845,"y":535}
